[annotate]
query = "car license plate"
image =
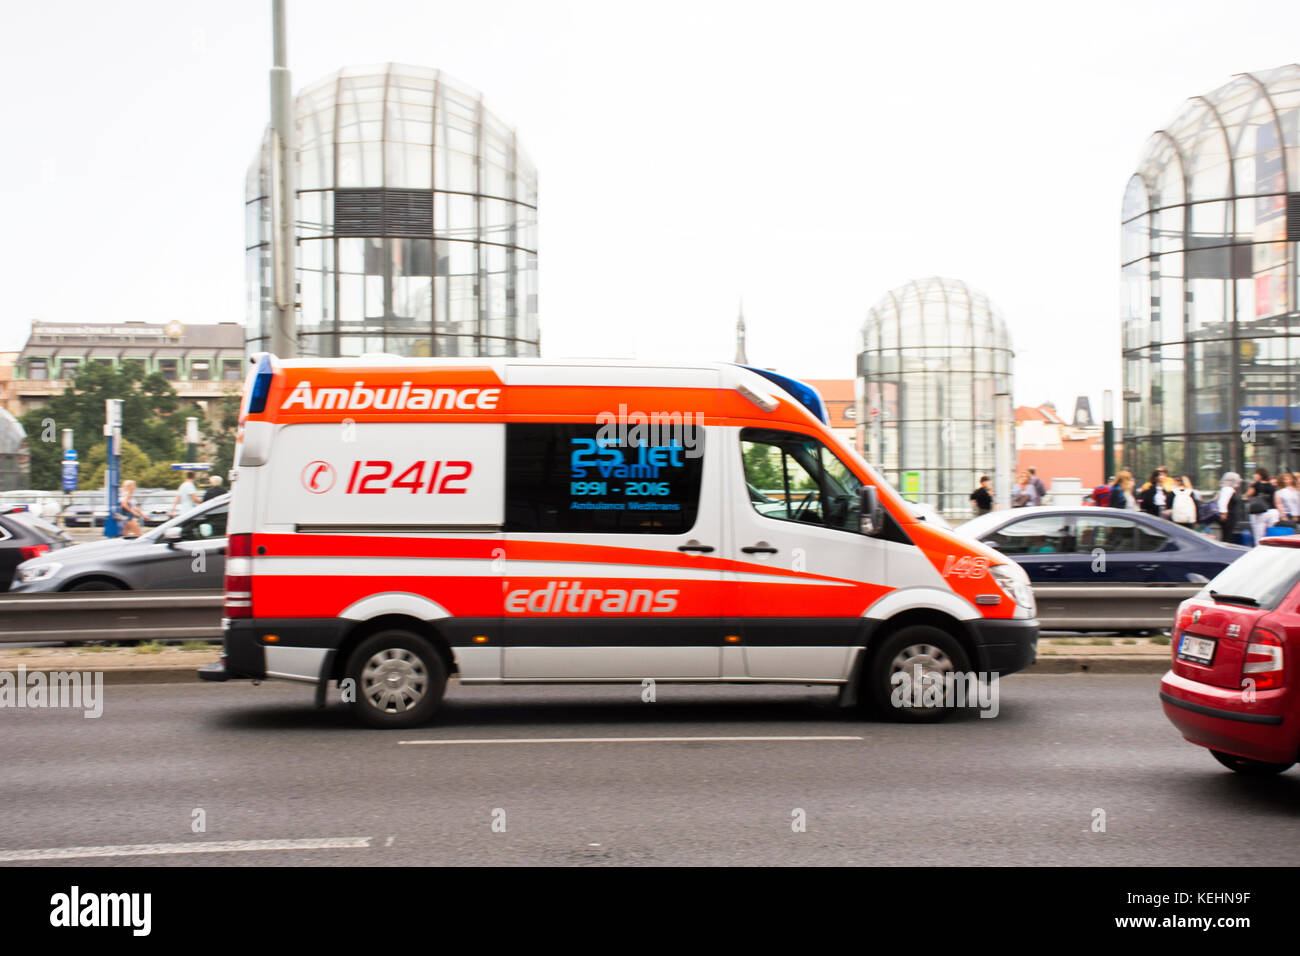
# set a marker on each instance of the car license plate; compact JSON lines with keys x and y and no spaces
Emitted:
{"x":1198,"y":649}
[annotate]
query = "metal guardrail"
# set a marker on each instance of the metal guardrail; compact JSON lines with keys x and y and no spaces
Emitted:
{"x":1093,"y":607}
{"x":196,"y":615}
{"x":110,"y":616}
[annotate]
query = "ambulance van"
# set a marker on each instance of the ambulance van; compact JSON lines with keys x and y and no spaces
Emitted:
{"x":398,"y":522}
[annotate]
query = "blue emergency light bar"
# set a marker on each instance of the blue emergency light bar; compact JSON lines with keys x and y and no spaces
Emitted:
{"x":261,"y":385}
{"x":805,"y":395}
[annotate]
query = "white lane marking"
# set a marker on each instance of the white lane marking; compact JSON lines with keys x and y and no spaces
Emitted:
{"x":169,"y":849}
{"x":609,"y":740}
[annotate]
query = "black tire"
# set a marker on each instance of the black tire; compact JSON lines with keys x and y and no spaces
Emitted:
{"x":96,"y":585}
{"x":1251,"y":768}
{"x":412,"y":690}
{"x":933,"y":649}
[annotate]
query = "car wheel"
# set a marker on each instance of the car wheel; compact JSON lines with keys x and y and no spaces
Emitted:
{"x":891,"y":671}
{"x":399,"y":679}
{"x":1251,"y":768}
{"x":98,"y":585}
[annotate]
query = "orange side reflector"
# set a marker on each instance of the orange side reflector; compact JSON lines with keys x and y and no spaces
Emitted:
{"x":270,"y":638}
{"x":480,"y":639}
{"x":733,"y":638}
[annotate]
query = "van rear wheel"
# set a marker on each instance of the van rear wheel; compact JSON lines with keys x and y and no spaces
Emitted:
{"x":1244,"y":765}
{"x":399,"y":679}
{"x":918,"y":650}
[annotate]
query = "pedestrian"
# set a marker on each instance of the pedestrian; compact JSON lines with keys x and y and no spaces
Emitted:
{"x":214,"y":488}
{"x":1101,"y":494}
{"x":128,"y":511}
{"x":187,"y":496}
{"x":1287,"y":500}
{"x":1153,"y":499}
{"x":1184,"y":508}
{"x":1123,"y":494}
{"x":983,"y":496}
{"x":1022,"y":495}
{"x":1040,"y":490}
{"x":1259,"y":504}
{"x":1231,"y":510}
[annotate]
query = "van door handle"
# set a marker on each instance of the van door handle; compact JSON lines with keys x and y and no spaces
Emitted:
{"x":1148,"y":567}
{"x":695,"y":546}
{"x":760,"y":548}
{"x":1051,"y":567}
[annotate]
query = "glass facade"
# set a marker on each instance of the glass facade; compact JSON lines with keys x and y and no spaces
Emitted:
{"x":935,"y":369}
{"x":15,"y":462}
{"x":1210,"y":224}
{"x":416,"y":222}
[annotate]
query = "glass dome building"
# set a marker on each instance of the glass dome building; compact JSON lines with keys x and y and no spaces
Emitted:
{"x":416,"y":221}
{"x":934,"y":375}
{"x":1210,"y":222}
{"x":15,"y":460}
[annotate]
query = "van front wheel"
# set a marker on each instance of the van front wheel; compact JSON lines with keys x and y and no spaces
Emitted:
{"x":919,"y":651}
{"x":399,"y":679}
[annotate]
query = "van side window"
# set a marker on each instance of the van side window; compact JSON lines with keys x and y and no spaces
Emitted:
{"x":578,"y":478}
{"x":794,"y":477}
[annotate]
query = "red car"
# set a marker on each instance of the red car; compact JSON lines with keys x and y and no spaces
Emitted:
{"x":1236,"y":649}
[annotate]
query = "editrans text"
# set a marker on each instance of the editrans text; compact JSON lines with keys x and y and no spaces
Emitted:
{"x":75,"y":908}
{"x":78,"y":690}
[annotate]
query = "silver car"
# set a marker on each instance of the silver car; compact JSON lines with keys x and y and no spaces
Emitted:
{"x":189,"y":551}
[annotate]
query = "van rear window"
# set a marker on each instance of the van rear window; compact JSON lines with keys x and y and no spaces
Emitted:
{"x":576,"y":478}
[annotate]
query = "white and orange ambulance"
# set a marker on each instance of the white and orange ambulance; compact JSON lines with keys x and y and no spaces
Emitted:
{"x":396,"y":522}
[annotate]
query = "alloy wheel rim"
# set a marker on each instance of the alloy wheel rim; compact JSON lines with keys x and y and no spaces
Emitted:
{"x":394,"y":680}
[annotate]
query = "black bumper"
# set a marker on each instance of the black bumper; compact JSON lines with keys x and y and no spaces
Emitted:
{"x":1004,"y":646}
{"x":244,"y":657}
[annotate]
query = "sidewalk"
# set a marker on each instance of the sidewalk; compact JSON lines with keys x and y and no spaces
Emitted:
{"x":131,"y":665}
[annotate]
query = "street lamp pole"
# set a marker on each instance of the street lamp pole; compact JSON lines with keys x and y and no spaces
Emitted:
{"x":1107,"y":434}
{"x":283,"y":338}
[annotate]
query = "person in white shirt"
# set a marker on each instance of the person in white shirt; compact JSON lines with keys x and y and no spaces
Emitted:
{"x":1287,"y":499}
{"x":187,"y":496}
{"x":1230,"y":511}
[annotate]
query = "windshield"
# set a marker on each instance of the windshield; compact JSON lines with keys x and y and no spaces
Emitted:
{"x":1266,"y":575}
{"x":41,"y":525}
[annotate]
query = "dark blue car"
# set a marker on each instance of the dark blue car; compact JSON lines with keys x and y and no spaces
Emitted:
{"x":1101,"y":546}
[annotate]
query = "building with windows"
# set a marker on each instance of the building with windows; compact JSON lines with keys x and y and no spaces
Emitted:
{"x":201,"y":361}
{"x":1211,"y":340}
{"x":841,"y":407}
{"x":935,"y":384}
{"x":416,"y":221}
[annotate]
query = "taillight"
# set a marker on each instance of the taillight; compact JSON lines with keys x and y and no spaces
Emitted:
{"x":28,"y":551}
{"x":1263,"y":659}
{"x":239,"y":576}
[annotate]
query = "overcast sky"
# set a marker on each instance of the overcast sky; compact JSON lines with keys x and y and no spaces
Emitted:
{"x":809,"y":157}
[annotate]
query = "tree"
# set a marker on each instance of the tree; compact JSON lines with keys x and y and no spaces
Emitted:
{"x":153,"y":418}
{"x":219,"y":433}
{"x":134,"y":463}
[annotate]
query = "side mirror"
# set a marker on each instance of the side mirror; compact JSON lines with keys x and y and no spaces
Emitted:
{"x":872,"y":515}
{"x":171,"y":536}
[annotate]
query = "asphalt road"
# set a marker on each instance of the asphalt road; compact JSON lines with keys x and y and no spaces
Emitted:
{"x":262,"y":765}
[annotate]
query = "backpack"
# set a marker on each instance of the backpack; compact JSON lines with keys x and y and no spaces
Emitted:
{"x":1101,"y":496}
{"x":1208,"y":511}
{"x":1184,"y":509}
{"x":1116,"y":497}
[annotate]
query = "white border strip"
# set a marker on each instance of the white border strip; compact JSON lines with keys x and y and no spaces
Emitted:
{"x":172,"y":849}
{"x":613,"y":740}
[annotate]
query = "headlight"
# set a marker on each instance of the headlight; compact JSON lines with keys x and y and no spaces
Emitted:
{"x":38,"y":572}
{"x":1014,"y":582}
